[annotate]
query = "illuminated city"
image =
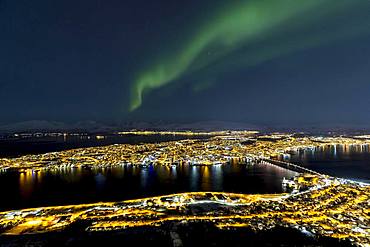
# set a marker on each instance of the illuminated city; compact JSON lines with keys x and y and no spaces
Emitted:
{"x":221,"y":147}
{"x":184,"y":123}
{"x":316,"y":204}
{"x":326,"y":206}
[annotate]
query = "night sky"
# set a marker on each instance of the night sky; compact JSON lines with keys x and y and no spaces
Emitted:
{"x":253,"y":61}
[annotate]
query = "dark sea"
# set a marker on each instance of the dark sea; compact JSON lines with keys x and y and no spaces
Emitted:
{"x":345,"y":161}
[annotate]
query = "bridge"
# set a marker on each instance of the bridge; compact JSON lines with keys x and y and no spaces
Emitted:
{"x":289,"y":166}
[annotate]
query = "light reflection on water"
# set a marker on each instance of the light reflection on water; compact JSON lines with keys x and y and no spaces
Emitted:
{"x":81,"y":185}
{"x":26,"y":183}
{"x":217,"y":176}
{"x":342,"y":160}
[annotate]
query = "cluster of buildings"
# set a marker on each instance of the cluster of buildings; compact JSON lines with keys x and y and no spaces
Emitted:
{"x":325,"y":206}
{"x":219,"y":148}
{"x":317,"y":205}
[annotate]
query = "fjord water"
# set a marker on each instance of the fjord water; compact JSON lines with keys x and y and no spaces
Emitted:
{"x":345,"y":161}
{"x":76,"y":186}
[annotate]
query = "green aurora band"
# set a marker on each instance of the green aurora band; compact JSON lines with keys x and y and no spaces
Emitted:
{"x":258,"y":26}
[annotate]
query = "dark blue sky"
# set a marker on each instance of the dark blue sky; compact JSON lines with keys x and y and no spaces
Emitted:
{"x":81,"y":60}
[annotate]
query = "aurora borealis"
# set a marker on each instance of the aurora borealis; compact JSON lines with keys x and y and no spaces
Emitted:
{"x":251,"y":61}
{"x":247,"y":23}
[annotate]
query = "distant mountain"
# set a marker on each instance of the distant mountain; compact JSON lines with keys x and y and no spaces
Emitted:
{"x":49,"y":126}
{"x":206,"y":126}
{"x":34,"y":125}
{"x":95,"y":127}
{"x":322,"y":128}
{"x":92,"y":126}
